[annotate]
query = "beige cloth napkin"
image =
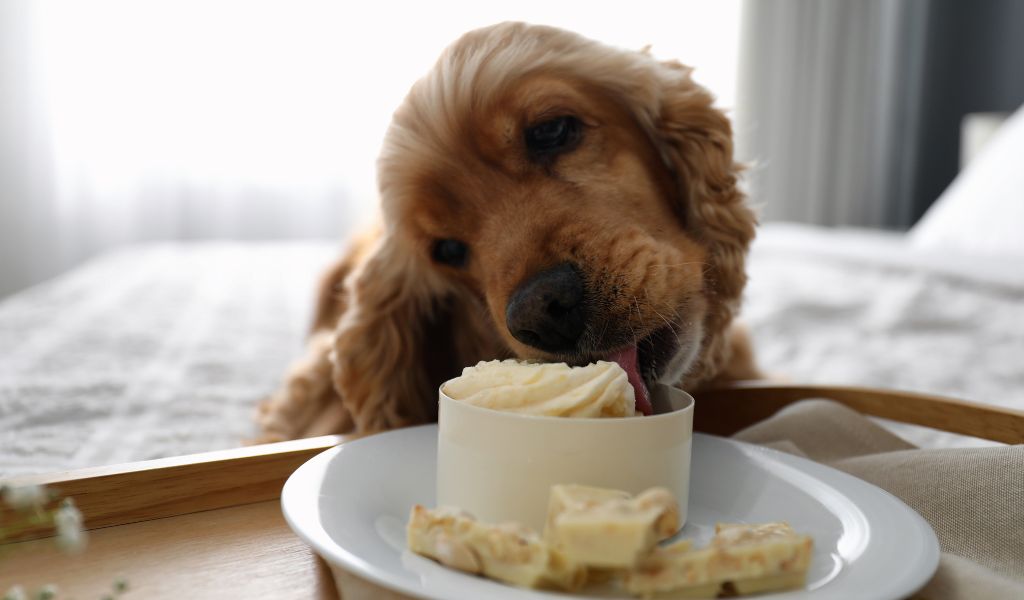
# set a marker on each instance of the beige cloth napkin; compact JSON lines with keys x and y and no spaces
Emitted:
{"x":972,"y":497}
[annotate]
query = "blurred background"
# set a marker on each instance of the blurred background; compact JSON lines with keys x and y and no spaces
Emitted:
{"x":174,"y":175}
{"x":127,"y":121}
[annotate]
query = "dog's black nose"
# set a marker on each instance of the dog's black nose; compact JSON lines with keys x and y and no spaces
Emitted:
{"x":546,"y":312}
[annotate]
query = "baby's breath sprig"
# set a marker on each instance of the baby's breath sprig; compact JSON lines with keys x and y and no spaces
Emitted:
{"x":35,"y":506}
{"x":47,"y":592}
{"x":25,"y":497}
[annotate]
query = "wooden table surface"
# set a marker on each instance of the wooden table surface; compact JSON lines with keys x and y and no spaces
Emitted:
{"x":244,"y":551}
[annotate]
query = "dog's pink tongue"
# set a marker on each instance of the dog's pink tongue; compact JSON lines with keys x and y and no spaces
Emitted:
{"x":627,"y":359}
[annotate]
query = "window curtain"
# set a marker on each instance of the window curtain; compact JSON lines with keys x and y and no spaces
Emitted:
{"x":828,"y":103}
{"x":850,"y":113}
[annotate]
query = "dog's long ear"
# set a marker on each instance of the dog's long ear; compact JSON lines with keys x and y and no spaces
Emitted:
{"x":383,"y":369}
{"x":695,"y":141}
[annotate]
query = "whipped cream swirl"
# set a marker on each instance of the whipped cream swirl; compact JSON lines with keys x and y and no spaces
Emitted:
{"x":600,"y":389}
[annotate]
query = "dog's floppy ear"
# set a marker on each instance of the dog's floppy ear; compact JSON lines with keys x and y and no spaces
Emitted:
{"x":404,"y":332}
{"x":380,"y":370}
{"x":695,"y":141}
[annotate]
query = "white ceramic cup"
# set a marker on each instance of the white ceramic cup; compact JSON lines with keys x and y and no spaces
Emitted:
{"x":500,"y":466}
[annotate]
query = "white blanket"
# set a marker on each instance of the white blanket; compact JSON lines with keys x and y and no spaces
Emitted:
{"x":150,"y":351}
{"x":161,"y":350}
{"x":866,"y":308}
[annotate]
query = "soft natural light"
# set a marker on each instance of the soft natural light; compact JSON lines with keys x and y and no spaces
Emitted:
{"x":293,"y":96}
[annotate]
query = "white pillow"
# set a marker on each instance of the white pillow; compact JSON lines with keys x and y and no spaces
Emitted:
{"x":982,"y":211}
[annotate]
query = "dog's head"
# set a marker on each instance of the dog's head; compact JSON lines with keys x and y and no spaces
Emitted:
{"x":583,"y":198}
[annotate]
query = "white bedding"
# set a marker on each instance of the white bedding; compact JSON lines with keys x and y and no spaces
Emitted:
{"x":867,"y":308}
{"x":165,"y":349}
{"x":150,"y":351}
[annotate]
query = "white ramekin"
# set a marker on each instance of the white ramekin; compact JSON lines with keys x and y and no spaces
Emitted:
{"x":500,"y":466}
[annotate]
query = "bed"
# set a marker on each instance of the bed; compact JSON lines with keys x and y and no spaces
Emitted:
{"x":160,"y":350}
{"x":165,"y":349}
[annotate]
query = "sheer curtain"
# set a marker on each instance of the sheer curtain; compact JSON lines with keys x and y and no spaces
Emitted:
{"x":132,"y":121}
{"x":829,"y":102}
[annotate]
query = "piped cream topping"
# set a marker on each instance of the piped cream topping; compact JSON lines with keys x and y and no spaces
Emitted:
{"x":600,"y":389}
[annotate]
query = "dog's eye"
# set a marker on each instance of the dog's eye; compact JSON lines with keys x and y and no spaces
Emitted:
{"x":450,"y":252}
{"x":553,"y":135}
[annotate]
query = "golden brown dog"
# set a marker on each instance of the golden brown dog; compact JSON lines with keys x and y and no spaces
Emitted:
{"x":543,"y":196}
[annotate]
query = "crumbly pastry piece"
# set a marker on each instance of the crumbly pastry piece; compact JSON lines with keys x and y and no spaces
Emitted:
{"x":746,"y":559}
{"x":508,"y":552}
{"x":600,"y":389}
{"x":608,"y":528}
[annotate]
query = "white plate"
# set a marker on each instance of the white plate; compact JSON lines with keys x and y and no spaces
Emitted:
{"x":351,"y":503}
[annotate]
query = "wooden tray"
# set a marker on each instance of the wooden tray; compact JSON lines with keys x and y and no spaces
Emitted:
{"x":210,"y":526}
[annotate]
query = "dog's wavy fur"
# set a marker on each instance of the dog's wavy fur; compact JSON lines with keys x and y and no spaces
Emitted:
{"x":391,"y":324}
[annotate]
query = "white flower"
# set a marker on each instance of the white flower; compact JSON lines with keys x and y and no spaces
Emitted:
{"x":68,"y":521}
{"x":25,"y":496}
{"x":16,"y":593}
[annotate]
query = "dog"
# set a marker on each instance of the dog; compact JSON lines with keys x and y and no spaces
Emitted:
{"x":543,"y":196}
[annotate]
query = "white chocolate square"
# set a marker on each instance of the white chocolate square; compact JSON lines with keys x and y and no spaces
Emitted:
{"x":747,"y":558}
{"x":607,"y":528}
{"x":508,"y":552}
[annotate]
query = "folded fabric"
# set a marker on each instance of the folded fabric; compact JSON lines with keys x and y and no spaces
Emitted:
{"x":972,"y":497}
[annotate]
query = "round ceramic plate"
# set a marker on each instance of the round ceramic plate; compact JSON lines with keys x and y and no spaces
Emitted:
{"x":351,"y":503}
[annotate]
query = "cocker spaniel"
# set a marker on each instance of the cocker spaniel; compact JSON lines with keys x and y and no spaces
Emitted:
{"x":543,"y":196}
